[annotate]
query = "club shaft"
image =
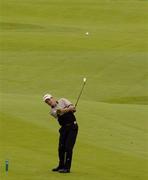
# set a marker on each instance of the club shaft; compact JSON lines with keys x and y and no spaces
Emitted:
{"x":79,"y":95}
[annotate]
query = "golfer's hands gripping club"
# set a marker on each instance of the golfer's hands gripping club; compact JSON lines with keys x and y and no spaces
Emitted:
{"x":66,"y":110}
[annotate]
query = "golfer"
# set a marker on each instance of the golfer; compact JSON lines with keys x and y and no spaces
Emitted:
{"x":63,"y":110}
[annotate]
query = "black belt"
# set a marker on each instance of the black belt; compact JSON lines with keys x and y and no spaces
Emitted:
{"x":69,"y":124}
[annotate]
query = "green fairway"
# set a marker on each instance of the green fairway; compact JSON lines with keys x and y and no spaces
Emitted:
{"x":44,"y":49}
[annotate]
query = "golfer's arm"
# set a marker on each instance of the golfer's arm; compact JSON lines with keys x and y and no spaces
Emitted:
{"x":70,"y":108}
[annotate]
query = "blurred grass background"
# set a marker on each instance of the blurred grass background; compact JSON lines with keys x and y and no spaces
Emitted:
{"x":44,"y":48}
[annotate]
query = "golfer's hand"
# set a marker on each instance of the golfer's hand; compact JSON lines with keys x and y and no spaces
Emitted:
{"x":59,"y":111}
{"x":66,"y":110}
{"x":69,"y":109}
{"x":72,"y":109}
{"x":62,"y":111}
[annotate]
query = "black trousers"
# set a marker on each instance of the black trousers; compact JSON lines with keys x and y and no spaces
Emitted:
{"x":67,"y":139}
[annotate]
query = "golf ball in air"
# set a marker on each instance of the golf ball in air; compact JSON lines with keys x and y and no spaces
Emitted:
{"x":87,"y":33}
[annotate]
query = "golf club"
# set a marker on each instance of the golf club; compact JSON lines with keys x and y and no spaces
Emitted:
{"x":84,"y":82}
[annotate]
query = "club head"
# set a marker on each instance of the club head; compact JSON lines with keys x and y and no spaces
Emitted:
{"x":84,"y":80}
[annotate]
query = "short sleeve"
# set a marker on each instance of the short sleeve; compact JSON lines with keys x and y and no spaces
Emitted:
{"x":66,"y":102}
{"x":53,"y":113}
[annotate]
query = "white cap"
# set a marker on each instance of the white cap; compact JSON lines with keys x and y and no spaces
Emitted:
{"x":47,"y":96}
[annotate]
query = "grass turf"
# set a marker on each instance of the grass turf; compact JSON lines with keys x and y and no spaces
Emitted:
{"x":44,"y":49}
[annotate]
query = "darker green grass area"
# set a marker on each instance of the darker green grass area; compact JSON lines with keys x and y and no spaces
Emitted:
{"x":18,"y":26}
{"x":130,"y":100}
{"x":44,"y":48}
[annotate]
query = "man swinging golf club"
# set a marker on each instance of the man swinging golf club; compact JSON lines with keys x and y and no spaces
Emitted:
{"x":63,"y":110}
